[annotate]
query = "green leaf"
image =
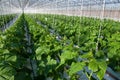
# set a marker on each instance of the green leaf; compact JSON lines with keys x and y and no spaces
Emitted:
{"x":42,"y":50}
{"x":99,"y":66}
{"x":50,"y":61}
{"x":38,"y":50}
{"x":102,"y":65}
{"x":100,"y":74}
{"x":93,"y":65}
{"x":1,"y":45}
{"x":11,"y":58}
{"x":7,"y":73}
{"x":66,"y":55}
{"x":87,"y":55}
{"x":75,"y":67}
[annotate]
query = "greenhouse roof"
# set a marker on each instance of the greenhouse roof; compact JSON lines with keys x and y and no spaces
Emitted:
{"x":59,"y":3}
{"x":45,"y":5}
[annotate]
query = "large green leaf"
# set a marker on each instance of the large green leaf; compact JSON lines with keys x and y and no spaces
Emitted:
{"x":75,"y":67}
{"x":88,"y":55}
{"x":7,"y":73}
{"x":98,"y":67}
{"x":100,"y":74}
{"x":66,"y":55}
{"x":93,"y":65}
{"x":102,"y":65}
{"x":41,"y":50}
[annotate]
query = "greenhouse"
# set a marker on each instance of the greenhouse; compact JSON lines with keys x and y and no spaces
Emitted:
{"x":59,"y":39}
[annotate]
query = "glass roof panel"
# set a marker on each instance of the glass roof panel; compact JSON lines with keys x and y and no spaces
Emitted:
{"x":17,"y":5}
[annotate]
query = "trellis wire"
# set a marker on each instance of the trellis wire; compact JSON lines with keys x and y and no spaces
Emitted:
{"x":100,"y":28}
{"x":81,"y":14}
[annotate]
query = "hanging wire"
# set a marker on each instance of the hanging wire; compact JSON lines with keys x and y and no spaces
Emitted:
{"x":6,"y":13}
{"x":53,"y":14}
{"x":90,"y":9}
{"x":73,"y":14}
{"x":0,"y":14}
{"x":35,"y":12}
{"x":101,"y":24}
{"x":68,"y":7}
{"x":9,"y":10}
{"x":81,"y":14}
{"x":3,"y":15}
{"x":118,"y":15}
{"x":0,"y":9}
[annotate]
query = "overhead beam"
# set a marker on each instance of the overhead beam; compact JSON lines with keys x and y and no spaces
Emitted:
{"x":75,"y":4}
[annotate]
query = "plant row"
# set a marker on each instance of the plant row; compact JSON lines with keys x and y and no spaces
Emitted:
{"x":63,"y":46}
{"x":62,"y":59}
{"x":4,"y":19}
{"x":13,"y":53}
{"x":101,"y":37}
